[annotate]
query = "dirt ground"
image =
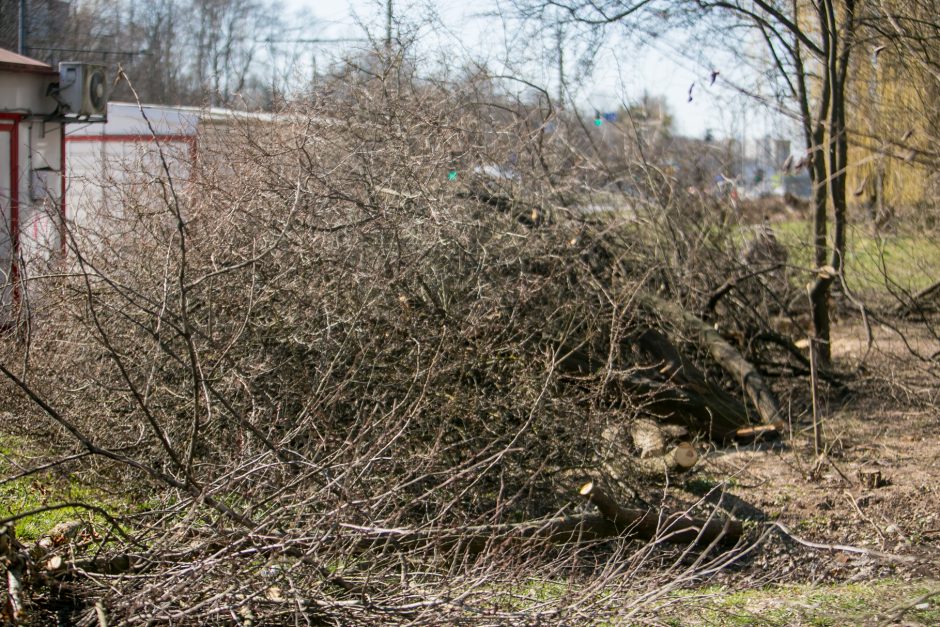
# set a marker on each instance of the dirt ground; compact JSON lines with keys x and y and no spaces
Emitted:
{"x":875,"y":492}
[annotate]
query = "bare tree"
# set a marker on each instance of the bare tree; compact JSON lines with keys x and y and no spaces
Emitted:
{"x":810,"y":47}
{"x":175,"y":51}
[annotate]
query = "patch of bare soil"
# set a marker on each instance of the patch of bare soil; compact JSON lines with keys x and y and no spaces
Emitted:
{"x":869,"y":507}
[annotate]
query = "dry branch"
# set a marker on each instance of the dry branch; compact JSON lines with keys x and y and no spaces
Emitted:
{"x":728,"y":357}
{"x":845,"y":548}
{"x":614,"y":520}
{"x":477,"y":538}
{"x":919,"y":302}
{"x":653,"y":525}
{"x":757,"y":432}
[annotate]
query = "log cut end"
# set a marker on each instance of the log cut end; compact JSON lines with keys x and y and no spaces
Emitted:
{"x":684,"y":456}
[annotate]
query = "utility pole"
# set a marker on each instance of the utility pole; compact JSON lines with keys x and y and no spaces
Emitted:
{"x":21,"y":46}
{"x":560,"y":47}
{"x":560,"y":58}
{"x":388,"y":25}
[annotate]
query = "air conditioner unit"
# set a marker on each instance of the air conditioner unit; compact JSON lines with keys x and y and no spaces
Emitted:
{"x":83,"y":89}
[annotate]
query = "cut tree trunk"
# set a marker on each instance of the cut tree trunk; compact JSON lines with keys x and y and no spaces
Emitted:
{"x":669,"y":387}
{"x":680,"y":459}
{"x":728,"y":357}
{"x":653,"y":525}
{"x":613,"y":521}
{"x":616,"y":461}
{"x":647,"y":438}
{"x":687,"y":395}
{"x":818,"y":293}
{"x":13,"y":564}
{"x":698,"y":406}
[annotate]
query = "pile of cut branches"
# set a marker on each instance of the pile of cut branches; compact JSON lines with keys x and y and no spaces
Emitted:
{"x":350,"y":369}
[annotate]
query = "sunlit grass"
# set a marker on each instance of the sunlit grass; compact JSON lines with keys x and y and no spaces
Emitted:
{"x":805,"y":604}
{"x":874,"y":264}
{"x":41,"y":490}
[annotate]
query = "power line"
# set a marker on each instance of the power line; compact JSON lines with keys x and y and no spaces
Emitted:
{"x":128,"y":53}
{"x":315,"y":40}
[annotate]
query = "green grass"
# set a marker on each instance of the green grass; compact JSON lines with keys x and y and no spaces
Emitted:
{"x":41,"y":490}
{"x":532,"y":592}
{"x":824,"y":605}
{"x":818,"y":606}
{"x":909,"y":259}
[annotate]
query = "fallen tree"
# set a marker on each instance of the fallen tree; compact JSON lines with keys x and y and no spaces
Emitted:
{"x":729,"y":359}
{"x":650,"y":525}
{"x":924,"y":301}
{"x":674,"y":389}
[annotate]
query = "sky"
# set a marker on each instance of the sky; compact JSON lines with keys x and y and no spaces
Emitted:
{"x":622,"y":73}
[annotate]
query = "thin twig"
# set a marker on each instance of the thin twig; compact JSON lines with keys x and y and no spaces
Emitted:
{"x":845,"y":548}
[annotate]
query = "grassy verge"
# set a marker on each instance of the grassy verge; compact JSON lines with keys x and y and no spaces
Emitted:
{"x":40,"y":490}
{"x":791,"y":605}
{"x":811,"y":605}
{"x":909,"y":260}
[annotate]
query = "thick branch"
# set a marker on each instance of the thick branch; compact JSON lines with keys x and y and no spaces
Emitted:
{"x":726,"y":356}
{"x":650,"y":525}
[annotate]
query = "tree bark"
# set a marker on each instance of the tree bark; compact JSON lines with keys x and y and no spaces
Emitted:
{"x":686,"y":394}
{"x":680,"y":459}
{"x":818,"y":292}
{"x":702,"y":410}
{"x":668,"y":386}
{"x":728,"y":357}
{"x":652,"y":525}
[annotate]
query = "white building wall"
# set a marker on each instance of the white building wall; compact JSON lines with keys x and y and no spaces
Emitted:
{"x":121,"y":161}
{"x":31,"y":146}
{"x":25,"y":92}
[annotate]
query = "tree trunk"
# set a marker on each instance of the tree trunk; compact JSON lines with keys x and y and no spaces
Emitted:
{"x":839,"y":160}
{"x":680,"y":459}
{"x":666,"y":385}
{"x":647,"y":438}
{"x":650,"y":525}
{"x":728,"y":357}
{"x":919,"y":302}
{"x":818,"y":292}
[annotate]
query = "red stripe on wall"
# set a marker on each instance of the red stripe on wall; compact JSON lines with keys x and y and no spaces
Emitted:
{"x":13,"y":127}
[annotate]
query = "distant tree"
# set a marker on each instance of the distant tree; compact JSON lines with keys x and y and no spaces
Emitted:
{"x":810,"y":46}
{"x":174,"y":51}
{"x":44,"y":22}
{"x":894,"y":112}
{"x":225,"y":40}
